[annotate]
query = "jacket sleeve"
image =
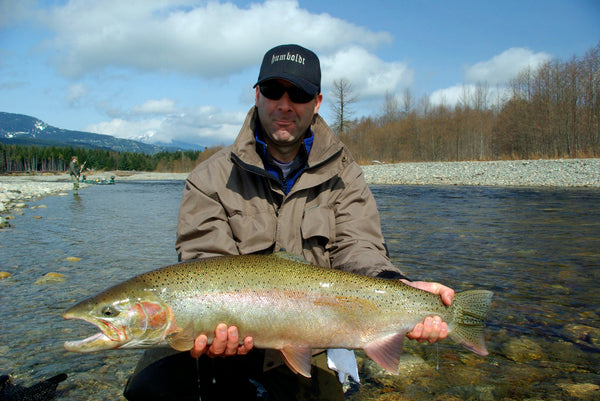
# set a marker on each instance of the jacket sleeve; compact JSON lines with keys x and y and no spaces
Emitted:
{"x":202,"y":227}
{"x":359,"y":245}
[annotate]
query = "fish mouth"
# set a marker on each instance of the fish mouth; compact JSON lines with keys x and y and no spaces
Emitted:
{"x":108,"y":338}
{"x":93,"y":343}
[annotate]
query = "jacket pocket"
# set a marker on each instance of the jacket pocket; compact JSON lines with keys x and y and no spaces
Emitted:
{"x":253,"y":233}
{"x":317,"y":230}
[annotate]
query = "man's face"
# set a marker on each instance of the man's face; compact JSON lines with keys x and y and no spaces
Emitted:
{"x":283,"y":120}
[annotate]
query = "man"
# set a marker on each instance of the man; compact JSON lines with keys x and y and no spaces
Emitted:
{"x":74,"y":173}
{"x":288,"y":183}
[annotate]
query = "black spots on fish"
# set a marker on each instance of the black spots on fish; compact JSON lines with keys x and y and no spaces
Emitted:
{"x":178,"y":275}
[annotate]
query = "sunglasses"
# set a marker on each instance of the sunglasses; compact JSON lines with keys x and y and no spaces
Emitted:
{"x":274,"y":90}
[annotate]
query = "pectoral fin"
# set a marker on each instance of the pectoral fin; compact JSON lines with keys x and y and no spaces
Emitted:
{"x":182,"y":340}
{"x":297,"y":359}
{"x":386,"y":351}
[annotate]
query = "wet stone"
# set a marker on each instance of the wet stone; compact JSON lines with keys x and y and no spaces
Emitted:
{"x":582,"y":391}
{"x":522,"y":350}
{"x":51,"y":277}
{"x":583,"y":334}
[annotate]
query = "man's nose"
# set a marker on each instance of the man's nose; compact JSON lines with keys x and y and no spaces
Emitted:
{"x":285,"y":102}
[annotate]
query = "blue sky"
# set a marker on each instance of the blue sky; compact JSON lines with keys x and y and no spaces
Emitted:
{"x":184,"y":70}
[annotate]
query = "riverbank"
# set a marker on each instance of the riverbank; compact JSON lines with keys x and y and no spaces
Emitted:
{"x":573,"y":173}
{"x":15,"y":190}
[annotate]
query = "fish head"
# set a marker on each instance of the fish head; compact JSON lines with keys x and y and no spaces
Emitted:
{"x":125,"y":320}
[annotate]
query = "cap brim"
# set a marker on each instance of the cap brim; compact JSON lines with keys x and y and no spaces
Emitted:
{"x":299,"y":82}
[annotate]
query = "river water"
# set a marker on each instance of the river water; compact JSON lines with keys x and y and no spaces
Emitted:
{"x":537,"y":249}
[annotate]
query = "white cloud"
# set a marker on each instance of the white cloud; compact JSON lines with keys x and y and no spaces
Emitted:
{"x":75,"y":93}
{"x":495,"y":74}
{"x":369,"y":75}
{"x":500,"y":69}
{"x":447,"y":96}
{"x":470,"y":94}
{"x":206,"y":125}
{"x":162,"y":106}
{"x":107,"y":38}
{"x":14,"y":12}
{"x":211,"y":40}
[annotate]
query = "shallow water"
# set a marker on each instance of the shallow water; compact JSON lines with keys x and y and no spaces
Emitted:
{"x":538,"y":250}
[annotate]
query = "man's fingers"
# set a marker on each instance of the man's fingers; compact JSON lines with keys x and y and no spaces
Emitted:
{"x":231,"y":346}
{"x":199,"y":346}
{"x":225,"y":343}
{"x":432,"y":329}
{"x":415,"y":333}
{"x":246,"y":346}
{"x":219,"y":344}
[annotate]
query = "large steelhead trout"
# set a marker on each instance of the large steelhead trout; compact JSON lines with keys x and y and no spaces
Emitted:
{"x":279,"y":300}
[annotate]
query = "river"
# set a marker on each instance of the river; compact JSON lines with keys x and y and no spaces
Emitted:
{"x":537,"y":249}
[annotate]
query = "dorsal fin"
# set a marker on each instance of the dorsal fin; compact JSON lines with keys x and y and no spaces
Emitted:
{"x":297,"y":359}
{"x":386,"y":351}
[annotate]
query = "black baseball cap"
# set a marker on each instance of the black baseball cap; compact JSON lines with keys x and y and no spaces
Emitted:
{"x":293,"y":63}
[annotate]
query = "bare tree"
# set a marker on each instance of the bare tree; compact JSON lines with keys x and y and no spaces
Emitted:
{"x":391,"y":110}
{"x":408,"y":102}
{"x":343,"y":99}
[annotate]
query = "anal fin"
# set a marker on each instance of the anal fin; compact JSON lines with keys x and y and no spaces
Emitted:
{"x":297,"y":359}
{"x":386,"y":351}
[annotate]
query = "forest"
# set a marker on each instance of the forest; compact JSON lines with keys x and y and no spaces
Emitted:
{"x":550,"y":112}
{"x":52,"y":159}
{"x":547,"y":113}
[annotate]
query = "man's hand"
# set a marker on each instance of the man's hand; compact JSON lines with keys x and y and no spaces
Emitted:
{"x":432,"y":329}
{"x":225,"y":343}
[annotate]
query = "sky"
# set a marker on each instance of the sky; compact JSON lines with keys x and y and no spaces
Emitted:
{"x":184,"y":70}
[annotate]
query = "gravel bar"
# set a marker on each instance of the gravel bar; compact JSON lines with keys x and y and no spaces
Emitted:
{"x":574,"y":173}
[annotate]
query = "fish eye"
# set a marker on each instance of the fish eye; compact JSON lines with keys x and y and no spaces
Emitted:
{"x":109,"y":311}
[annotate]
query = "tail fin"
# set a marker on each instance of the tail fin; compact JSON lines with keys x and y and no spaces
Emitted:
{"x":470,"y":312}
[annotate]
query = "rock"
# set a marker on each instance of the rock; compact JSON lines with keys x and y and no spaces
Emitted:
{"x":51,"y":277}
{"x":20,"y":205}
{"x":72,"y":259}
{"x":582,"y":334}
{"x":522,"y":350}
{"x":37,"y":217}
{"x":4,"y":223}
{"x":4,"y":275}
{"x":581,"y":391}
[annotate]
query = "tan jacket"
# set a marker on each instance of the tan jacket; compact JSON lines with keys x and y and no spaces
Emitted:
{"x":231,"y":206}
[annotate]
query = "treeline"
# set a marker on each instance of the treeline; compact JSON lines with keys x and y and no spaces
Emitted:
{"x":17,"y":158}
{"x":550,"y":112}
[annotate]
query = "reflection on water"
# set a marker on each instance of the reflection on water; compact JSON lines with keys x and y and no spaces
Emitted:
{"x":538,"y":250}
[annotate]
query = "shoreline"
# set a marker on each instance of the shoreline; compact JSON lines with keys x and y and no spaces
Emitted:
{"x":562,"y":173}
